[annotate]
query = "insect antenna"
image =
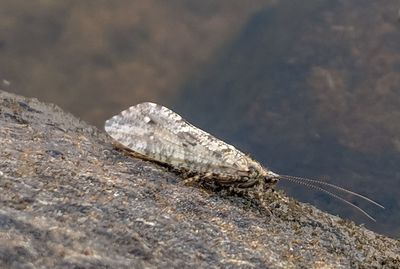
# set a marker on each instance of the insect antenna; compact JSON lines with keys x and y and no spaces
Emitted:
{"x":310,"y":184}
{"x":314,"y":181}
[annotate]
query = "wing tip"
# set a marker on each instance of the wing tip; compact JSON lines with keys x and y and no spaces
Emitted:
{"x":108,"y":124}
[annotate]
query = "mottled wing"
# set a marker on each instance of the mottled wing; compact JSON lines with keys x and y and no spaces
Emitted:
{"x":162,"y":135}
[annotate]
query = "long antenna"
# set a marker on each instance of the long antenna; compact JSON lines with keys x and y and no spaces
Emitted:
{"x":332,"y":186}
{"x":298,"y":181}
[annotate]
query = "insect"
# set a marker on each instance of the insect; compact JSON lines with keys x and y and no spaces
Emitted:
{"x":156,"y":133}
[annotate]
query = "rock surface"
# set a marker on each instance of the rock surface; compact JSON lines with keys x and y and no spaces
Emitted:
{"x":69,"y":199}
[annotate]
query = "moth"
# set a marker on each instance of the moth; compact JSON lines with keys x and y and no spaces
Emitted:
{"x":156,"y":133}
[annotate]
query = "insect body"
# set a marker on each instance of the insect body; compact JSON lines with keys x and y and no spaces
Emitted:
{"x":159,"y":134}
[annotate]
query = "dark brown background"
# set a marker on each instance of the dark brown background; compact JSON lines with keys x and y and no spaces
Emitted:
{"x":309,"y":89}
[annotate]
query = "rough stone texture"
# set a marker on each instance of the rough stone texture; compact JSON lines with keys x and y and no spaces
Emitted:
{"x":70,"y":200}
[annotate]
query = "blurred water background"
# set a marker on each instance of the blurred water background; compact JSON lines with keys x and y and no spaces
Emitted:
{"x":308,"y":88}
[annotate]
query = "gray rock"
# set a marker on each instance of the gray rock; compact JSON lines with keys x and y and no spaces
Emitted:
{"x":69,"y":199}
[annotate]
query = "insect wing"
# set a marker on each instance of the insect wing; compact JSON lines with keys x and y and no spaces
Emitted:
{"x":162,"y":135}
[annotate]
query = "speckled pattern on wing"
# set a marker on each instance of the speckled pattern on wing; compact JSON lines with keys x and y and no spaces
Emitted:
{"x":161,"y":134}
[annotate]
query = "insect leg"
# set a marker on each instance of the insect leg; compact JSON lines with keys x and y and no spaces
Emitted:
{"x":190,"y":180}
{"x":196,"y":179}
{"x":258,"y":193}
